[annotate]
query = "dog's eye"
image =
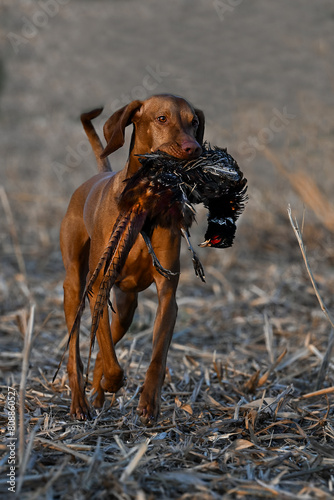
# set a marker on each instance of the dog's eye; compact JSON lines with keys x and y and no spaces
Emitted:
{"x":162,"y":119}
{"x":195,"y":122}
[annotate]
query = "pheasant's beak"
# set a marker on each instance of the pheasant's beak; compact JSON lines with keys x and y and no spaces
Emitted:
{"x":206,"y":243}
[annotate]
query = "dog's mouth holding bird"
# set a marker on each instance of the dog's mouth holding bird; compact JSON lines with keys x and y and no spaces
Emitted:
{"x":188,"y":151}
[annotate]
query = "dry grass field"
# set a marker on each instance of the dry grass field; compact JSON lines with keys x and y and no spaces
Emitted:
{"x":248,"y":400}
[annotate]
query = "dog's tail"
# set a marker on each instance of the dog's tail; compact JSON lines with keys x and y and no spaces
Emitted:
{"x":86,"y":120}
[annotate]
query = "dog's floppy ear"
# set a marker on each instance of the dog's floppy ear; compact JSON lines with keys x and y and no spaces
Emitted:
{"x":114,"y":127}
{"x":201,"y":125}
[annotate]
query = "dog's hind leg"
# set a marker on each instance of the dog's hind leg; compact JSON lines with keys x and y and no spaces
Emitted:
{"x":75,"y":259}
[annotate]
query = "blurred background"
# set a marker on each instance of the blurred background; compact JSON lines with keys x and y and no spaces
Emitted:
{"x":261,"y":71}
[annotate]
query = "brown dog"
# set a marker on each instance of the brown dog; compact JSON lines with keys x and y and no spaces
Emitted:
{"x":162,"y":122}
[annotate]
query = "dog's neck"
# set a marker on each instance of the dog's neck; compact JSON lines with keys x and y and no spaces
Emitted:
{"x":133,"y":163}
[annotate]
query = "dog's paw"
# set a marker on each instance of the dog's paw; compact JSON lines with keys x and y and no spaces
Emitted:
{"x":149,"y":407}
{"x":113,"y":382}
{"x":97,"y":398}
{"x":80,"y":408}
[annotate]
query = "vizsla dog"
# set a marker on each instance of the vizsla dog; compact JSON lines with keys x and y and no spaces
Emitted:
{"x":162,"y":122}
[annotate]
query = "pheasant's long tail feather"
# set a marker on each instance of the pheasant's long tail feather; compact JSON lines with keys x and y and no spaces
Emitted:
{"x":108,"y":252}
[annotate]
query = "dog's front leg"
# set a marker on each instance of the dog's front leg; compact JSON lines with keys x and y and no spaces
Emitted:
{"x":149,"y":403}
{"x":125,"y":305}
{"x":113,"y":376}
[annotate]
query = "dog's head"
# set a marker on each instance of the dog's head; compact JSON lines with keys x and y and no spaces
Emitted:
{"x":163,"y":122}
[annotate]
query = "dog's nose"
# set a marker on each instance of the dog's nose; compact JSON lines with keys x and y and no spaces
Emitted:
{"x":192,"y":148}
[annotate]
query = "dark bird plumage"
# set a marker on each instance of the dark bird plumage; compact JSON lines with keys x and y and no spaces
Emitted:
{"x":213,"y":179}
